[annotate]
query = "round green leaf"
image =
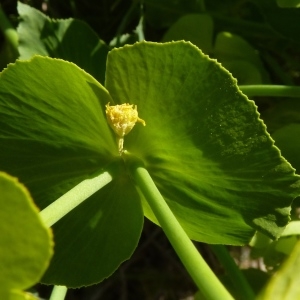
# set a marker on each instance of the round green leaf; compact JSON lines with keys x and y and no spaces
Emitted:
{"x":54,"y":134}
{"x":70,"y":39}
{"x":98,"y":235}
{"x":230,"y":46}
{"x":240,"y":58}
{"x":25,"y":242}
{"x":293,"y":228}
{"x":204,"y":144}
{"x":53,"y":128}
{"x":196,"y":28}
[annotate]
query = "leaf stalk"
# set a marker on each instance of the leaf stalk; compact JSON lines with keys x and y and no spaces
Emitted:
{"x":67,"y":202}
{"x":271,"y":90}
{"x":59,"y":292}
{"x":203,"y":276}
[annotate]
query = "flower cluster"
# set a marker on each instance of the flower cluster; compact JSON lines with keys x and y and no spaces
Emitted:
{"x":122,"y":118}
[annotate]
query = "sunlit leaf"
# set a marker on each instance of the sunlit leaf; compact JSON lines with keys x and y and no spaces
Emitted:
{"x":52,"y":125}
{"x":25,"y":242}
{"x":53,"y":134}
{"x":97,"y":236}
{"x":285,"y":284}
{"x":204,"y":144}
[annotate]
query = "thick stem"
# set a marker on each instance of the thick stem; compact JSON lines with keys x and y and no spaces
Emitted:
{"x":237,"y":277}
{"x":59,"y":208}
{"x":59,"y":292}
{"x":205,"y":279}
{"x":271,"y":90}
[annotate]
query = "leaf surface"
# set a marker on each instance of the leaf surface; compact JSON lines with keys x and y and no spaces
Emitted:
{"x":204,"y":144}
{"x":52,"y":125}
{"x":70,"y":39}
{"x":53,"y":135}
{"x":25,"y":242}
{"x":97,"y":236}
{"x":286,"y":282}
{"x":196,"y":28}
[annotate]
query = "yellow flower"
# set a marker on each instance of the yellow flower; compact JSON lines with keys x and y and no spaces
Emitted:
{"x":122,"y":118}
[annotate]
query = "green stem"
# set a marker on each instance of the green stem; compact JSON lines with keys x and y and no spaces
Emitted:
{"x":140,"y":27}
{"x":59,"y":208}
{"x":9,"y":31}
{"x":59,"y":292}
{"x":205,"y":279}
{"x":237,"y":277}
{"x":271,"y":90}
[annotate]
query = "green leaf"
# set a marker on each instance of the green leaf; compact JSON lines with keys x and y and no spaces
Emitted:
{"x":243,"y":71}
{"x":7,"y":54}
{"x":52,"y":126}
{"x":18,"y":295}
{"x":287,"y":138}
{"x":286,"y":244}
{"x":53,"y":135}
{"x":285,"y":284}
{"x":240,"y":57}
{"x":204,"y":144}
{"x":230,"y":46}
{"x":293,"y":228}
{"x":196,"y":28}
{"x":275,"y":252}
{"x":25,"y":242}
{"x":288,"y":3}
{"x":97,"y":236}
{"x":70,"y":39}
